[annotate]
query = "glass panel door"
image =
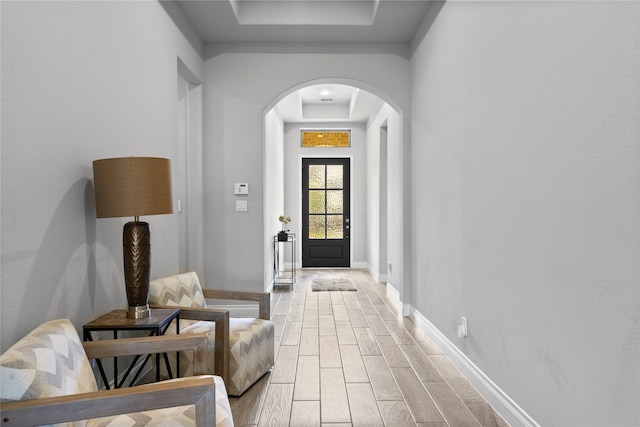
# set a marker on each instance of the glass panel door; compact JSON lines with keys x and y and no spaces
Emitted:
{"x":325,"y":224}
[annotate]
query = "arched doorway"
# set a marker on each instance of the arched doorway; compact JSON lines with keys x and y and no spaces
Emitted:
{"x":377,"y":238}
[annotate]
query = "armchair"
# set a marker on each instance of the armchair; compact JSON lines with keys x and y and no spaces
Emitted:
{"x":243,"y":348}
{"x":46,"y":378}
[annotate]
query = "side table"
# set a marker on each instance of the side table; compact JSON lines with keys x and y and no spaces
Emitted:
{"x":116,"y":320}
{"x":284,"y":277}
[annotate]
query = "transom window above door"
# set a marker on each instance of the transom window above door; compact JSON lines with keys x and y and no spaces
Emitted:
{"x":325,"y":138}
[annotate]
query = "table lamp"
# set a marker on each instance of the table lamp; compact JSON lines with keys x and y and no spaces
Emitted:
{"x":133,"y":187}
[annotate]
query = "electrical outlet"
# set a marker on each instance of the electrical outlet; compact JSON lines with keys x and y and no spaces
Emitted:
{"x":463,"y":328}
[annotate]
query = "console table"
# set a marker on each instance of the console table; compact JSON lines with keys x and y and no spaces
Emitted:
{"x":284,"y":277}
{"x":116,"y":321}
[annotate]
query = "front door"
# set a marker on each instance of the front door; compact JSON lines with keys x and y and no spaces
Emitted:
{"x":325,"y":212}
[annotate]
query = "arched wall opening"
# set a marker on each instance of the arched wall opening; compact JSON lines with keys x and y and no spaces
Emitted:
{"x":380,"y":166}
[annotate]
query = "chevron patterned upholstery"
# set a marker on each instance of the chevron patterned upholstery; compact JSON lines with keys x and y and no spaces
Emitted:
{"x":251,"y":340}
{"x":251,"y":343}
{"x":178,"y":416}
{"x":51,"y":362}
{"x":48,"y":362}
{"x":182,"y":290}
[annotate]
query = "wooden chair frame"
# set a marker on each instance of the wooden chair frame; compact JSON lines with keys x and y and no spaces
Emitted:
{"x":197,"y":390}
{"x":221,"y":319}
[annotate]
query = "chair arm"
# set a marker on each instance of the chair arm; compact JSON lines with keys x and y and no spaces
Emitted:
{"x":199,"y":391}
{"x":152,"y":345}
{"x":263,"y":299}
{"x":221,"y":319}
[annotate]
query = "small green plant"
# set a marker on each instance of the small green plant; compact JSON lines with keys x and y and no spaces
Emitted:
{"x":284,"y":220}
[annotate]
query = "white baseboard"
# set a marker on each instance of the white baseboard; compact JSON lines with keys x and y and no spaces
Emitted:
{"x":501,"y":402}
{"x":394,"y":295}
{"x":380,"y":278}
{"x":373,"y":273}
{"x":360,"y":265}
{"x":406,"y":310}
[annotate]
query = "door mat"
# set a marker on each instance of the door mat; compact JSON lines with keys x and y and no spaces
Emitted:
{"x":333,"y":284}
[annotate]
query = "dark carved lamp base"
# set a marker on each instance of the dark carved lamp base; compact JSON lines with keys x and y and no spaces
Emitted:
{"x":136,"y":242}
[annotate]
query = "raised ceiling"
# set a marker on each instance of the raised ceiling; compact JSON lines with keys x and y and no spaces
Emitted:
{"x":311,"y":21}
{"x":328,"y":102}
{"x":306,"y":21}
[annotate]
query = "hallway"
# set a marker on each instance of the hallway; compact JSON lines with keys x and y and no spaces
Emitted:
{"x":348,"y":359}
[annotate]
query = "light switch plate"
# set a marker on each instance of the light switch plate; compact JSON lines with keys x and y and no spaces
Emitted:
{"x":241,"y":205}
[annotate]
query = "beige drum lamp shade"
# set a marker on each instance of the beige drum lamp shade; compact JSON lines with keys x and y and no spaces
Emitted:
{"x":132,"y":186}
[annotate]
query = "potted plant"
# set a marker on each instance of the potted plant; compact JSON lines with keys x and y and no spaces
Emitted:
{"x":282,"y":235}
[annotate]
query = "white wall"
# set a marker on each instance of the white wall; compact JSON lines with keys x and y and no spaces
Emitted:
{"x":240,"y":82}
{"x":293,"y":182}
{"x":526,"y":202}
{"x":383,"y":181}
{"x":373,"y":198}
{"x":274,"y":186}
{"x":80,"y":81}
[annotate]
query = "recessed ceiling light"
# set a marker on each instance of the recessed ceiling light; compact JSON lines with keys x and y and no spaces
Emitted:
{"x":325,"y":92}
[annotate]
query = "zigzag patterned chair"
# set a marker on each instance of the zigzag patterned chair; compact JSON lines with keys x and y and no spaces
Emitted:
{"x":244,"y":352}
{"x":46,"y":378}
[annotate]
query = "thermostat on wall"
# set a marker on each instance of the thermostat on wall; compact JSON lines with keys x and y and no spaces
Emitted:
{"x":242,"y":188}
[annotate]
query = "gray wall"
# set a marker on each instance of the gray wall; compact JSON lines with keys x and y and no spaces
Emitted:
{"x":240,"y":83}
{"x":383,"y":183}
{"x":80,"y":81}
{"x":273,"y":187}
{"x":525,"y":145}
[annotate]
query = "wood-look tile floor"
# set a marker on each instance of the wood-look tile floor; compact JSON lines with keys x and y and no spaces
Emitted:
{"x":349,"y":359}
